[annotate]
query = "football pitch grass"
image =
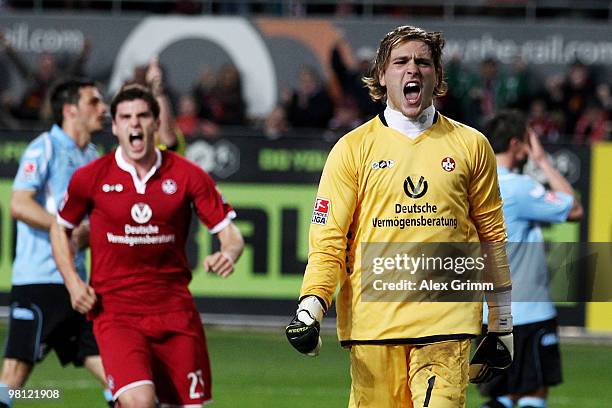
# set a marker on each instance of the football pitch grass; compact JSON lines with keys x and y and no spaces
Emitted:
{"x":260,"y":369}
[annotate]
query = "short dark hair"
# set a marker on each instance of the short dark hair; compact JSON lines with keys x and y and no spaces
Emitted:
{"x":66,"y":91}
{"x":132,"y":92}
{"x":503,"y":127}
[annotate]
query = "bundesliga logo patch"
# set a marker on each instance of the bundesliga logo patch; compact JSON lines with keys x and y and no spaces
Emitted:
{"x":321,"y":211}
{"x":29,"y":170}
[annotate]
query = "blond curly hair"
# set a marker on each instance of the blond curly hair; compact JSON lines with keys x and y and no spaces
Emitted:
{"x":434,"y":40}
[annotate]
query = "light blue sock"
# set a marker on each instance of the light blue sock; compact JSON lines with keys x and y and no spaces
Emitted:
{"x":532,"y":402}
{"x":108,"y":395}
{"x":4,"y":395}
{"x":505,"y":401}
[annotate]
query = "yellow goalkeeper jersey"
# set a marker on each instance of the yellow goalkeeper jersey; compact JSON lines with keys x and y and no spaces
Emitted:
{"x":379,"y":186}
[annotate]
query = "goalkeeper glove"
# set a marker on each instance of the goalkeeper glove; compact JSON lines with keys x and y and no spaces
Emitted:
{"x":303,"y":331}
{"x":494,"y":353}
{"x":496,"y":350}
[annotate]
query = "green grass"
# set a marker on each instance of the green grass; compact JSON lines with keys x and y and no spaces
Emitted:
{"x":259,"y":369}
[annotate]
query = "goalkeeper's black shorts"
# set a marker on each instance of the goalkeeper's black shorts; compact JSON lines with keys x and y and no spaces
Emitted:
{"x":537,"y":361}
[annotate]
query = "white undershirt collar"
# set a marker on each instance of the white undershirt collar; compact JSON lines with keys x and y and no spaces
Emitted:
{"x":140,"y":185}
{"x":410,"y":127}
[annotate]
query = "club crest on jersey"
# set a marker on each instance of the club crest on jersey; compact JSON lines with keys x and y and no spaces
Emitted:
{"x":321,"y":211}
{"x":169,"y":186}
{"x":141,"y":212}
{"x":448,"y":164}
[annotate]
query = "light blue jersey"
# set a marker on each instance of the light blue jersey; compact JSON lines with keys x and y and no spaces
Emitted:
{"x":46,"y":167}
{"x":526,"y":204}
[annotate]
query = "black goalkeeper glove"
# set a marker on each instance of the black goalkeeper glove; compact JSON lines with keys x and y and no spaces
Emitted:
{"x":303,"y":331}
{"x":496,"y":350}
{"x":493,"y":354}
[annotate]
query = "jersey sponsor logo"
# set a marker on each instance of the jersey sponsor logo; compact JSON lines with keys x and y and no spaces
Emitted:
{"x":382,"y":164}
{"x":141,"y":213}
{"x":140,"y":229}
{"x":140,"y":235}
{"x":321,"y":211}
{"x":169,"y":186}
{"x":107,"y":188}
{"x":415,"y":189}
{"x":448,"y":164}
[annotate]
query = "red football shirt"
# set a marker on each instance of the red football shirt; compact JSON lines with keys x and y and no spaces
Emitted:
{"x":139,"y":228}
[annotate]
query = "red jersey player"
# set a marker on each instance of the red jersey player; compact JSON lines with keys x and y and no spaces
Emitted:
{"x":139,"y":201}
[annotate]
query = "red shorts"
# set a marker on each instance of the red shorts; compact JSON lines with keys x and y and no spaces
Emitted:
{"x":167,"y":350}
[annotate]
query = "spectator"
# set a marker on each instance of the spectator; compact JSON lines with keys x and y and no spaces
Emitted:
{"x":578,"y":90}
{"x":187,"y":118}
{"x":310,"y":105}
{"x":38,"y":80}
{"x":202,"y":92}
{"x":350,"y":80}
{"x":346,"y":118}
{"x":518,"y":85}
{"x":276,"y":124}
{"x":6,"y":98}
{"x":227,"y":102}
{"x":485,"y":94}
{"x":554,"y":92}
{"x":451,"y":102}
{"x":604,"y":96}
{"x":593,"y":125}
{"x":540,"y":121}
{"x":188,"y":121}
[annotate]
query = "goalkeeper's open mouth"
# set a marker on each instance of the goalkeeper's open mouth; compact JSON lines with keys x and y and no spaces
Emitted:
{"x":412,"y":92}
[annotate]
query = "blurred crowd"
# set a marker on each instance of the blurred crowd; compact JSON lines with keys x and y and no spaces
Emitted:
{"x":570,"y":107}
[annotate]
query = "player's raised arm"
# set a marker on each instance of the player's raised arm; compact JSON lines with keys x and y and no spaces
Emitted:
{"x":82,"y":296}
{"x":557,"y":182}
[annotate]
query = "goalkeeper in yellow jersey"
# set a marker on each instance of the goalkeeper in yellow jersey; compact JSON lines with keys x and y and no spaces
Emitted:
{"x":409,"y":175}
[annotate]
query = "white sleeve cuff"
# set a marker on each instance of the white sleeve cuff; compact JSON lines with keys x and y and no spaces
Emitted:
{"x":224,"y":223}
{"x":64,"y":223}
